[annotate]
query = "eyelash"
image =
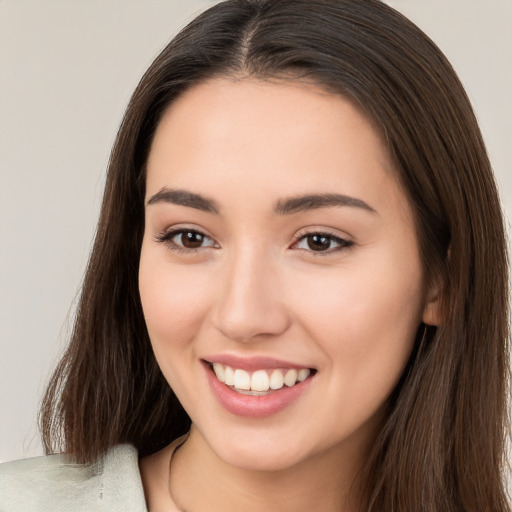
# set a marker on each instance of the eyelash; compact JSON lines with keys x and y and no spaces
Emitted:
{"x":166,"y":237}
{"x":342,"y":243}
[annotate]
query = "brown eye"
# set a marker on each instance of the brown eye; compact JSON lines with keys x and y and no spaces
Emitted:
{"x":322,"y":243}
{"x":185,"y":240}
{"x":318,"y":242}
{"x":190,"y":239}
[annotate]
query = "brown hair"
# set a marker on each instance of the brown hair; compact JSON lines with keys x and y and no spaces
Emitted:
{"x":442,"y":445}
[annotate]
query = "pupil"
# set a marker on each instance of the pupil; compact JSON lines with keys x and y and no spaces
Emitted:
{"x":191,"y":240}
{"x":318,"y":242}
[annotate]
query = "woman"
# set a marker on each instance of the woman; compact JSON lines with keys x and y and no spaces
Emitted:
{"x":297,"y":296}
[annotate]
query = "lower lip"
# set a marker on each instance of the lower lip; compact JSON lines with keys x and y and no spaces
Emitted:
{"x":255,"y":406}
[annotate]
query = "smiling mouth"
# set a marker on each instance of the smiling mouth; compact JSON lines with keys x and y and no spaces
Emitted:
{"x":260,"y":382}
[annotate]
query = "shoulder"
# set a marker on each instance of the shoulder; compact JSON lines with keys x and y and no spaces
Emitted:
{"x":54,"y":483}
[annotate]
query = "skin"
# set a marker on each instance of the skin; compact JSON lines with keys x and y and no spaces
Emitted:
{"x":256,"y":288}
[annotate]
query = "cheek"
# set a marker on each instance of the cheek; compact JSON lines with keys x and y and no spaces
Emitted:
{"x":348,"y":302}
{"x":365,"y":318}
{"x":173,"y":302}
{"x":365,"y":325}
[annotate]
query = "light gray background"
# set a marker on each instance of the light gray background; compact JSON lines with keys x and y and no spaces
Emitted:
{"x":67,"y":69}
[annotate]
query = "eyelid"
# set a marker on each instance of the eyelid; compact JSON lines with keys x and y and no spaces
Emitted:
{"x":344,"y":243}
{"x":166,"y":235}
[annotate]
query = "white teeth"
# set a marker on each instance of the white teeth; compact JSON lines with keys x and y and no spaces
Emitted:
{"x":260,"y":381}
{"x":219,"y":371}
{"x":276,"y":379}
{"x":303,"y":374}
{"x":229,"y":376}
{"x":242,"y":380}
{"x":290,"y":378}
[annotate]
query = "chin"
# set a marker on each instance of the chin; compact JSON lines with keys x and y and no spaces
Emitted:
{"x":259,"y":450}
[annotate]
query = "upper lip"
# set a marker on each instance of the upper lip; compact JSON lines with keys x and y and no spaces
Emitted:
{"x":252,"y":363}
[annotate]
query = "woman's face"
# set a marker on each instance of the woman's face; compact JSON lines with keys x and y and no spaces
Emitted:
{"x":280,"y":257}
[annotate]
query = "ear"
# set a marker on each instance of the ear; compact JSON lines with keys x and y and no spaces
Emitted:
{"x":432,"y":314}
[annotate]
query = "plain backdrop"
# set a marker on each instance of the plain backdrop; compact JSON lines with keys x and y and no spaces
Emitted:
{"x":67,"y":69}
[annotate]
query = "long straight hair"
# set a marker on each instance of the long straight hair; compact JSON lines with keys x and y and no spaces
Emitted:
{"x":441,"y":447}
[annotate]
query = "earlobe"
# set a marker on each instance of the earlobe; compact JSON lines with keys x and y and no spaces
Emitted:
{"x":432,"y":314}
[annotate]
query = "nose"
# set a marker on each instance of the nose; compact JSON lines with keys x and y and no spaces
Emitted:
{"x":250,"y":302}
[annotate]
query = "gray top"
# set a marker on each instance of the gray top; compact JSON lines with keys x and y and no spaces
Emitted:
{"x":54,"y":484}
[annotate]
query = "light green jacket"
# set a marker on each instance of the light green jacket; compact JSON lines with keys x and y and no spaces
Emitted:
{"x":54,"y":484}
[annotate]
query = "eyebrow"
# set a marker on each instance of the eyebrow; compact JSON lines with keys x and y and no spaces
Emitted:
{"x":185,"y":198}
{"x":316,"y":201}
{"x":282,"y":207}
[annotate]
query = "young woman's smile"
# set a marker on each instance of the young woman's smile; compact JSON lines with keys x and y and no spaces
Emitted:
{"x":279,"y":276}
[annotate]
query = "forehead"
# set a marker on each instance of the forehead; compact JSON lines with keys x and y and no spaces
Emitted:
{"x":255,"y":108}
{"x":281,"y":136}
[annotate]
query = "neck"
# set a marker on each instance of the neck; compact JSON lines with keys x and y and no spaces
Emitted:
{"x":325,"y":481}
